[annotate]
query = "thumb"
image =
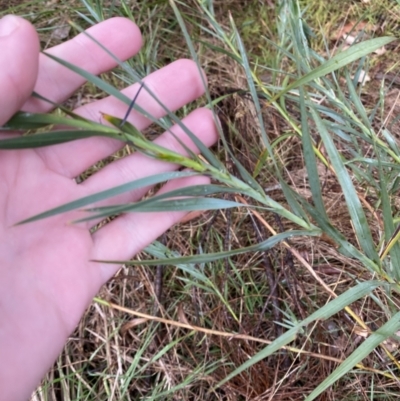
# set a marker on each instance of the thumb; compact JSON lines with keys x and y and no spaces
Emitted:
{"x":19,"y":57}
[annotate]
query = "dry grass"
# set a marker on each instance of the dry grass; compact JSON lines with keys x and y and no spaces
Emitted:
{"x":115,"y":356}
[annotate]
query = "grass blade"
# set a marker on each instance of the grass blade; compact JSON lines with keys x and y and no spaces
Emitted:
{"x":252,"y":87}
{"x":390,"y":232}
{"x":340,"y":60}
{"x":211,"y":257}
{"x":53,"y":138}
{"x":345,"y":247}
{"x":310,"y":159}
{"x":146,"y":204}
{"x":203,"y":149}
{"x":361,"y":227}
{"x":30,"y":121}
{"x":109,"y":193}
{"x":101,"y":84}
{"x":325,"y":312}
{"x":387,"y":330}
{"x":169,"y":205}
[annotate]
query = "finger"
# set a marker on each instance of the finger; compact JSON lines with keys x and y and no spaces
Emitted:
{"x":130,"y":233}
{"x":137,"y":165}
{"x":19,"y":56}
{"x":174,"y":85}
{"x":55,"y":82}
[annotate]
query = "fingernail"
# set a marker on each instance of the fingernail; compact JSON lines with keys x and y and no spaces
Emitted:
{"x":8,"y":25}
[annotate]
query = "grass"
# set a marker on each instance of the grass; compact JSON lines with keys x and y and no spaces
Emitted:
{"x":312,"y":316}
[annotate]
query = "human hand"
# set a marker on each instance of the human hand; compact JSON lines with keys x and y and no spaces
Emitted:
{"x":46,"y":277}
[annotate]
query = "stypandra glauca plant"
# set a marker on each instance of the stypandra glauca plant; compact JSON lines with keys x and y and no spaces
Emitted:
{"x":333,"y":127}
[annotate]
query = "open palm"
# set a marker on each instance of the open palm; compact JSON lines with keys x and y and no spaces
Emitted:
{"x":46,"y":277}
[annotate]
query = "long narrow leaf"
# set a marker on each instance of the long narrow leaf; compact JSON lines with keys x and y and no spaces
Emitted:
{"x":325,"y":312}
{"x":168,"y":205}
{"x":356,"y":211}
{"x":383,"y":333}
{"x":109,"y":193}
{"x":211,"y":257}
{"x":53,"y":138}
{"x":192,"y":190}
{"x":252,"y":87}
{"x":203,"y":149}
{"x":340,"y":60}
{"x":106,"y":87}
{"x":29,"y":121}
{"x":389,"y":227}
{"x":345,"y":247}
{"x":146,"y":204}
{"x":310,"y":159}
{"x":245,"y":63}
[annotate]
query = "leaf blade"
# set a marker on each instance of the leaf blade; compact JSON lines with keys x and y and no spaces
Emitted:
{"x":338,"y":61}
{"x":210,"y":257}
{"x":108,"y":193}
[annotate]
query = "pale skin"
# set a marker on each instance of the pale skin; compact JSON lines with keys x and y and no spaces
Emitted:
{"x":47,"y":277}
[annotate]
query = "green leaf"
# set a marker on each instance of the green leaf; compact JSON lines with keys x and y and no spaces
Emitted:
{"x":165,"y":205}
{"x":293,"y":203}
{"x":200,"y":145}
{"x":310,"y":159}
{"x":361,"y":226}
{"x":245,"y":63}
{"x":376,"y":338}
{"x":53,"y":138}
{"x":220,"y":50}
{"x":389,"y":226}
{"x":145,"y":205}
{"x":109,"y":193}
{"x":260,"y":162}
{"x":346,"y":248}
{"x":28,"y":121}
{"x":211,"y":257}
{"x":325,"y":312}
{"x":356,"y":99}
{"x":246,"y":176}
{"x":252,"y":87}
{"x":391,"y":141}
{"x":139,"y":142}
{"x":127,"y":127}
{"x":106,"y":87}
{"x":158,"y":250}
{"x":338,"y":61}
